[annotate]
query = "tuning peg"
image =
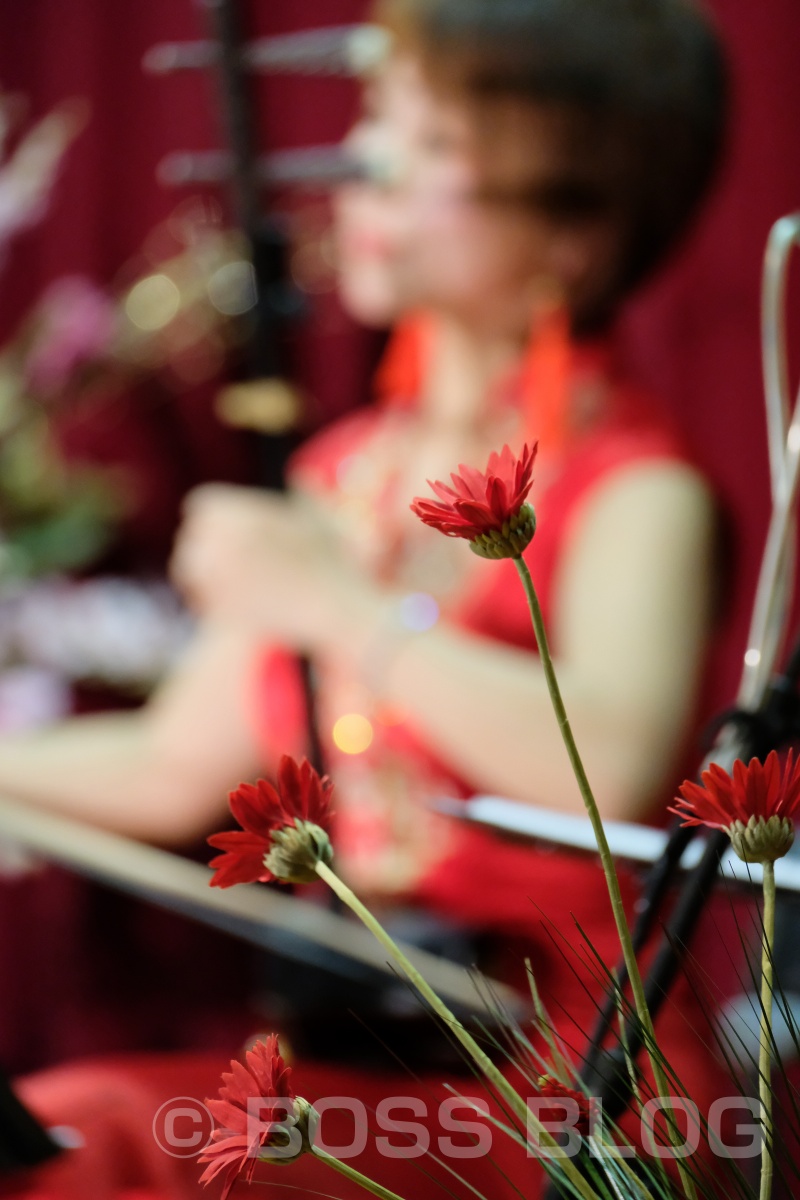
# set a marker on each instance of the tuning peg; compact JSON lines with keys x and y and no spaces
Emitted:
{"x":348,"y":50}
{"x":310,"y":166}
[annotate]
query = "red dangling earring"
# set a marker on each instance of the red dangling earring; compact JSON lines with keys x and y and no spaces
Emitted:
{"x":546,"y":377}
{"x":401,"y":372}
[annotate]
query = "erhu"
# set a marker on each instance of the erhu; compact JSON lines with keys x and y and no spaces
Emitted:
{"x":266,"y":400}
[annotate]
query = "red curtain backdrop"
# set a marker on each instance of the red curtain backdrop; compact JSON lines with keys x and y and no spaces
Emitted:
{"x":693,"y":338}
{"x":108,"y":199}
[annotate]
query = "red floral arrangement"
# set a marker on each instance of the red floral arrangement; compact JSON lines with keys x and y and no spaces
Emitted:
{"x":240,"y":1136}
{"x":756,"y":806}
{"x":486,"y":507}
{"x":300,"y":801}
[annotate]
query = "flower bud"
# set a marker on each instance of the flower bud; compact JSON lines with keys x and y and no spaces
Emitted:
{"x":760,"y":840}
{"x":307,"y":1119}
{"x":295,"y":851}
{"x":511,"y":540}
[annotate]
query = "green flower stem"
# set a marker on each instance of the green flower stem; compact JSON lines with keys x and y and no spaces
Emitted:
{"x":351,"y":1173}
{"x":493,"y":1075}
{"x":765,"y":1049}
{"x":612,"y":881}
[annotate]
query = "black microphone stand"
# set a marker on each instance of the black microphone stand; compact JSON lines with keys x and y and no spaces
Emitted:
{"x":23,"y":1141}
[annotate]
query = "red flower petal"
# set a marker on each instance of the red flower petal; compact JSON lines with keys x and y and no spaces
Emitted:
{"x":446,"y":493}
{"x":790,"y":799}
{"x":230,"y":1154}
{"x":257,"y":807}
{"x":242,"y":860}
{"x":550,"y":1088}
{"x":469,"y":483}
{"x":479,"y":502}
{"x":260,"y":809}
{"x":229,"y":1117}
{"x":266,"y":1066}
{"x":240,"y":1134}
{"x":292,"y":798}
{"x":497,"y":495}
{"x":760,"y":790}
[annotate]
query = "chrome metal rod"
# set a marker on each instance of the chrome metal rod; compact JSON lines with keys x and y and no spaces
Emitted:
{"x":347,"y":50}
{"x":775,"y":583}
{"x":639,"y":844}
{"x":309,"y":166}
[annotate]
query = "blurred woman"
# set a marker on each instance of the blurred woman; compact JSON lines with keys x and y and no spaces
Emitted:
{"x":531,"y":173}
{"x":527,"y":164}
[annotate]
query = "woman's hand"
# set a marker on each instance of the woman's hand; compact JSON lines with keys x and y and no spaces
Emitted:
{"x":267,"y":561}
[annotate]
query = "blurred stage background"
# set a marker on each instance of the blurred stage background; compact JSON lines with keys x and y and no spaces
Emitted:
{"x":693,"y":339}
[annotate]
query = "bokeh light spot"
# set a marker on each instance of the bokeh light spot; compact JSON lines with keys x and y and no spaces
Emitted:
{"x":352,"y":733}
{"x":153,"y":302}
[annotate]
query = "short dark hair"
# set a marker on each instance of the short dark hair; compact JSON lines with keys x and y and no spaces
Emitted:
{"x":643,"y":87}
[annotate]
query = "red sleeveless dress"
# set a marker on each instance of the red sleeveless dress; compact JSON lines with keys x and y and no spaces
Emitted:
{"x":516,"y":894}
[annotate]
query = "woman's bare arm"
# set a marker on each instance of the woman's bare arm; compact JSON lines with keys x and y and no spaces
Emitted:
{"x":632,"y":607}
{"x":160,"y":774}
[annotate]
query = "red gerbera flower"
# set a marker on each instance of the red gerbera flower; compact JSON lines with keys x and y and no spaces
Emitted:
{"x":550,"y":1087}
{"x":246,"y":1121}
{"x":296,"y":812}
{"x":756,"y":806}
{"x":487,"y":508}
